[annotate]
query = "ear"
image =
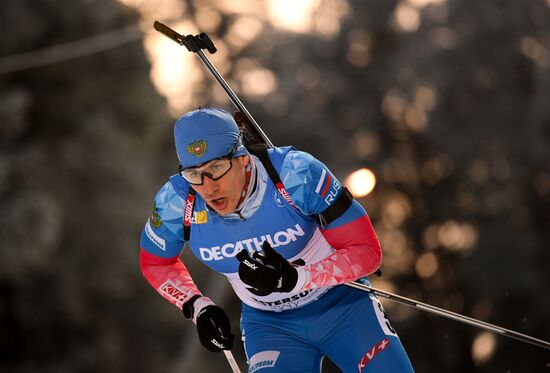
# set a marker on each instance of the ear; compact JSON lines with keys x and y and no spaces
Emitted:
{"x":245,"y":159}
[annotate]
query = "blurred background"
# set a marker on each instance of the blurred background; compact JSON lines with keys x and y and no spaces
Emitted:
{"x":434,"y":112}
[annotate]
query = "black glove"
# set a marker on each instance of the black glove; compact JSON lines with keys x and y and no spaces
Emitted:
{"x":213,"y":326}
{"x":267,"y":273}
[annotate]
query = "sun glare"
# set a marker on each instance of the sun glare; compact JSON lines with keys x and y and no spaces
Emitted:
{"x":424,"y":3}
{"x":483,"y":347}
{"x":292,"y":15}
{"x":406,"y":17}
{"x":361,"y":182}
{"x":174,"y":70}
{"x":179,"y":77}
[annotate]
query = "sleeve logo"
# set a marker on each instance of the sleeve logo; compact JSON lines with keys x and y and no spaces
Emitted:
{"x":155,"y":218}
{"x":327,"y":187}
{"x":172,"y":292}
{"x":155,"y":238}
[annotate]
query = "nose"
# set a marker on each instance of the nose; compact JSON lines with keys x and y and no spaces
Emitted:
{"x":210,"y":186}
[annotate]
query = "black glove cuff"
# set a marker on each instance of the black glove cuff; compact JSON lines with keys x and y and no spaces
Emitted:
{"x":188,"y":309}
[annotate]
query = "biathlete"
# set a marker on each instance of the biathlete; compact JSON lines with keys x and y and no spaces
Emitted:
{"x":287,"y":236}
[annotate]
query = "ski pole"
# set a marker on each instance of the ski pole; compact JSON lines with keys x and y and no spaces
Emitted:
{"x":195,"y":44}
{"x":450,"y":315}
{"x":231,"y":361}
{"x":202,"y":41}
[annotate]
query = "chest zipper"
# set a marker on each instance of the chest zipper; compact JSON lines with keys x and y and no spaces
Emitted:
{"x":240,"y":216}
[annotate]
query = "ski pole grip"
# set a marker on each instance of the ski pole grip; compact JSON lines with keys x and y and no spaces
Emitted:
{"x":168,"y":32}
{"x":192,"y":43}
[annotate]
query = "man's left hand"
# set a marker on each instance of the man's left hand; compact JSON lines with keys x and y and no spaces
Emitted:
{"x":267,"y":273}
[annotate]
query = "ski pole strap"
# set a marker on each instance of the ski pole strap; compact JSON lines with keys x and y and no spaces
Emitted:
{"x":189,"y":205}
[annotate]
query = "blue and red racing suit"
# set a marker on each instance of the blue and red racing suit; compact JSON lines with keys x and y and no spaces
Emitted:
{"x":282,"y":332}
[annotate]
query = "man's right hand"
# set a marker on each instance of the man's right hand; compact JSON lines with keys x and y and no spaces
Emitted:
{"x":213,"y":325}
{"x":214,"y":329}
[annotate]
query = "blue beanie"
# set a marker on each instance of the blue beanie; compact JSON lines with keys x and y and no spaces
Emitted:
{"x":206,"y":134}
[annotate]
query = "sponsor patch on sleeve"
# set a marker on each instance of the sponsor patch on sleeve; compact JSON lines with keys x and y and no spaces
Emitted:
{"x":155,"y":238}
{"x":173,"y":292}
{"x":155,"y":219}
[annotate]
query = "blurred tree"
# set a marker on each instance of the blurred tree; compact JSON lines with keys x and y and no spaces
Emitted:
{"x":81,"y":149}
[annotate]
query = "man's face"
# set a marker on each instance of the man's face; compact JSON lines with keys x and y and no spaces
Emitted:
{"x":224,"y":194}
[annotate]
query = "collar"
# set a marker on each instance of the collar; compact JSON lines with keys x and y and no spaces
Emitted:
{"x":254,"y":194}
{"x":249,"y":184}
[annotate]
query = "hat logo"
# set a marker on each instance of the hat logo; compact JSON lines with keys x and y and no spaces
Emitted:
{"x":197,"y":148}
